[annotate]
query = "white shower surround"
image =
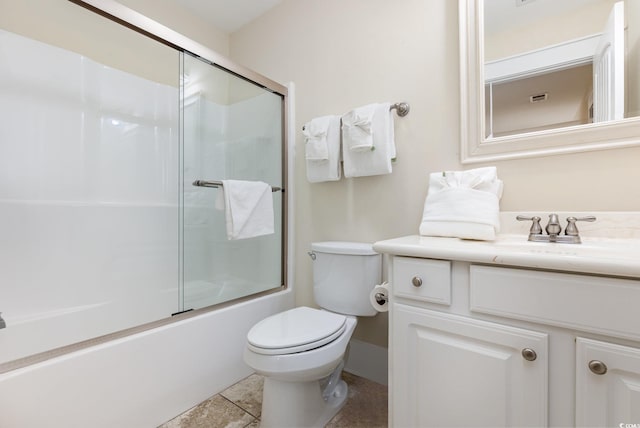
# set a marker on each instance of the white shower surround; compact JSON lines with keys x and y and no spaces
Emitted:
{"x":138,"y":380}
{"x":88,"y":198}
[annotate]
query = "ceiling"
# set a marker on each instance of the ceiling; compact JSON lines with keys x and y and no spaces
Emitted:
{"x":228,"y":15}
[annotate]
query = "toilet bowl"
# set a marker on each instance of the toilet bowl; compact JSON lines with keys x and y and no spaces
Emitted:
{"x":298,"y":389}
{"x":300,"y":352}
{"x":317,"y":356}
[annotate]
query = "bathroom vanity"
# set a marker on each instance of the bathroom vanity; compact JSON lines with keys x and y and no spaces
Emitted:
{"x":514,"y":333}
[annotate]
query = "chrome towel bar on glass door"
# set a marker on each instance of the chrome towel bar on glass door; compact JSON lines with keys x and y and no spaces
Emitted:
{"x":205,"y":183}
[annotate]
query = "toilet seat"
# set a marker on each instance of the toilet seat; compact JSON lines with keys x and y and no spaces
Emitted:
{"x":296,"y":330}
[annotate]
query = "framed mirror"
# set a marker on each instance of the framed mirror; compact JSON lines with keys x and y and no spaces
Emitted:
{"x":535,"y":81}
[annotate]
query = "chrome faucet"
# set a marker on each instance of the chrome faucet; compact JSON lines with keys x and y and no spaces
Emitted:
{"x":554,"y":229}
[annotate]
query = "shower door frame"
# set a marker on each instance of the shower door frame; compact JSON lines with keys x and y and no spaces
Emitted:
{"x":137,"y":22}
{"x":141,"y":24}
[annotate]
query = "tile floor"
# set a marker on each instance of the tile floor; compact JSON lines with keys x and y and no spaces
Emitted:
{"x":239,"y":406}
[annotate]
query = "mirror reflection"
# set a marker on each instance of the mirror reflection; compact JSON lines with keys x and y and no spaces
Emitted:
{"x":551,"y":64}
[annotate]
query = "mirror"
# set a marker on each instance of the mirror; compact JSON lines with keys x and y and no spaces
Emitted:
{"x":542,"y":77}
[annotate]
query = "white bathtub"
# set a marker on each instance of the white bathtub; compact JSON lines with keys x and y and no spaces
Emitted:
{"x":141,"y":380}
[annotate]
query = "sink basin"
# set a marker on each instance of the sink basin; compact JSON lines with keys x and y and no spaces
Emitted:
{"x":619,"y":257}
{"x":610,"y":246}
{"x":590,"y":247}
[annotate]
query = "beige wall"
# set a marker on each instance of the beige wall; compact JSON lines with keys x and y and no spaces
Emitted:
{"x":66,"y":25}
{"x":170,"y":14}
{"x":345,"y":53}
{"x":589,"y":20}
{"x":342,"y":54}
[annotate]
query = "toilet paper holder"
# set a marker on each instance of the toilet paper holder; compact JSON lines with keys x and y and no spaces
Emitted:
{"x":380,"y":298}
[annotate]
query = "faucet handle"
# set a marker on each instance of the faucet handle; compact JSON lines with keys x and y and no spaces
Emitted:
{"x":536,"y":229}
{"x":572,"y":229}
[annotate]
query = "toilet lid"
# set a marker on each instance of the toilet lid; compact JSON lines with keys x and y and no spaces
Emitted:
{"x":296,"y":330}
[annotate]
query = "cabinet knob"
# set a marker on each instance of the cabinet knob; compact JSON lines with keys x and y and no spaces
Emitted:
{"x":529,"y":354}
{"x":597,"y":367}
{"x":416,"y":281}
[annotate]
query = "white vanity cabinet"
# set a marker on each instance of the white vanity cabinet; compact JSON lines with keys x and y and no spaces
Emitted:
{"x":476,"y":343}
{"x":454,"y":371}
{"x":607,"y":384}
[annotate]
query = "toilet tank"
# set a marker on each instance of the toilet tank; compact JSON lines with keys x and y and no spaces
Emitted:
{"x":344,"y":273}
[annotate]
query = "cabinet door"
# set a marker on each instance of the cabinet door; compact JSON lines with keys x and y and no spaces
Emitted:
{"x":449,"y":370}
{"x":607,"y":384}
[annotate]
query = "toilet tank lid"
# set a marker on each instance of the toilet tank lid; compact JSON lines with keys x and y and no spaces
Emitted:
{"x":341,"y":247}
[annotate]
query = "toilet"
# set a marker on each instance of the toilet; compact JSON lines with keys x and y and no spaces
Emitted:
{"x":300,"y":352}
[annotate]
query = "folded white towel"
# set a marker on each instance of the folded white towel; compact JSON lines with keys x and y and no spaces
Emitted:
{"x":378,"y":159}
{"x":463,"y":204}
{"x":248,"y":208}
{"x":315,"y":133}
{"x":357,"y":129}
{"x":327,"y":169}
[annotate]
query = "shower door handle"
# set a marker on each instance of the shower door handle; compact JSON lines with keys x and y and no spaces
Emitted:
{"x":217,"y":183}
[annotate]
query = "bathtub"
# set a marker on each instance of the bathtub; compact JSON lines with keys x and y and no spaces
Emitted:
{"x":140,"y":380}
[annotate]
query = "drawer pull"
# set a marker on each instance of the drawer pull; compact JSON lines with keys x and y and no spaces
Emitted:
{"x":597,"y":367}
{"x":416,"y":281}
{"x":529,"y":354}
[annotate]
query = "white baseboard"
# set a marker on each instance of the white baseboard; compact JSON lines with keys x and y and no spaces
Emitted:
{"x":368,"y":361}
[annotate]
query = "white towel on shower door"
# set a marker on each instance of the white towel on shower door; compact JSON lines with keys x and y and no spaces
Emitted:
{"x":248,"y":207}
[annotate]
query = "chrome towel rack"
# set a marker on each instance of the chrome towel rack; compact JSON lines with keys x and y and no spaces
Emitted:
{"x":401,"y":108}
{"x":215,"y":183}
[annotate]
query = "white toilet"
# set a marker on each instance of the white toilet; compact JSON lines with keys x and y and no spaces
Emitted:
{"x":300,"y":351}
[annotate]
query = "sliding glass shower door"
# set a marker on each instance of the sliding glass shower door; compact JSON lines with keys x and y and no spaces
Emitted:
{"x":102,"y":137}
{"x":233,"y":130}
{"x":89,"y":181}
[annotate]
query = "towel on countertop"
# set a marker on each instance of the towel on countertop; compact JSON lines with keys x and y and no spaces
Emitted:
{"x":360,"y":159}
{"x":463,"y":204}
{"x":248,"y":207}
{"x":319,"y":169}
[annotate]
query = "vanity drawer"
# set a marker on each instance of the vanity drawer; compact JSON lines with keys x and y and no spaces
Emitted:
{"x":422,"y":279}
{"x":582,"y":302}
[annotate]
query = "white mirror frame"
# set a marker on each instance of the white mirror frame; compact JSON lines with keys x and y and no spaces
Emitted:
{"x":476,"y":148}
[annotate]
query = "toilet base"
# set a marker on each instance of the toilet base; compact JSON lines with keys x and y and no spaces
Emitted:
{"x":302,"y":404}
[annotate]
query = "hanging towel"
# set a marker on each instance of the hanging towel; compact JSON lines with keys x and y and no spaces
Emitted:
{"x":357,"y":129}
{"x":327,"y":169}
{"x":359,"y":161}
{"x":463,"y":204}
{"x":248,"y":208}
{"x":315,"y":133}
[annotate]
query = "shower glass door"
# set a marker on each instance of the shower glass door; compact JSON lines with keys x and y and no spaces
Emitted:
{"x":89,"y":177}
{"x":232,"y":129}
{"x":102,"y":136}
